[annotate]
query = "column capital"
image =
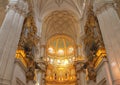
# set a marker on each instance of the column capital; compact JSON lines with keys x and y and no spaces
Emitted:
{"x":19,"y":6}
{"x":100,"y":7}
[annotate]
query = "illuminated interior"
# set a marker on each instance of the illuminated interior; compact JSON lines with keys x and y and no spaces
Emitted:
{"x":60,"y":57}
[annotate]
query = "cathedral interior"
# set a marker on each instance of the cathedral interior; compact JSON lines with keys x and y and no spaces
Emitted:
{"x":59,"y":42}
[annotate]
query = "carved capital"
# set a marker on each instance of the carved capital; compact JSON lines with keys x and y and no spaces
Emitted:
{"x":20,"y":6}
{"x":117,"y":6}
{"x":101,"y":7}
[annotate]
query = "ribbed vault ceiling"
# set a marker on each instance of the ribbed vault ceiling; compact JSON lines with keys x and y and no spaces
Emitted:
{"x":58,"y":17}
{"x":60,"y":22}
{"x":43,"y":7}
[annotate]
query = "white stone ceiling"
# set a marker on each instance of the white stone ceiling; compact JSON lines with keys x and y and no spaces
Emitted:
{"x":43,"y":7}
{"x":60,"y":22}
{"x":58,"y":16}
{"x":66,"y":20}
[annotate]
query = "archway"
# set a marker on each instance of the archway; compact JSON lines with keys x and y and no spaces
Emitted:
{"x":60,"y":57}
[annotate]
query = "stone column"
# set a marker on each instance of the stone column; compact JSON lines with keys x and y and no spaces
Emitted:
{"x":31,"y":82}
{"x":42,"y":50}
{"x":39,"y":27}
{"x":39,"y":77}
{"x":78,"y":50}
{"x":9,"y":38}
{"x":110,"y":28}
{"x":91,"y":82}
{"x":103,"y":72}
{"x":38,"y":52}
{"x":78,"y":78}
{"x":83,"y":78}
{"x":43,"y":78}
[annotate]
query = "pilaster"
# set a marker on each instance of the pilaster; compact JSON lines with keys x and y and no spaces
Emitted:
{"x":110,"y":28}
{"x":9,"y":38}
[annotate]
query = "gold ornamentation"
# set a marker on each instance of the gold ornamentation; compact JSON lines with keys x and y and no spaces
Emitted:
{"x":20,"y":54}
{"x":27,"y":46}
{"x":94,"y":45}
{"x":101,"y":53}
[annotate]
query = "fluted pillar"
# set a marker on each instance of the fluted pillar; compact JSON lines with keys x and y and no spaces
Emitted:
{"x":9,"y":38}
{"x":110,"y":28}
{"x":80,"y":51}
